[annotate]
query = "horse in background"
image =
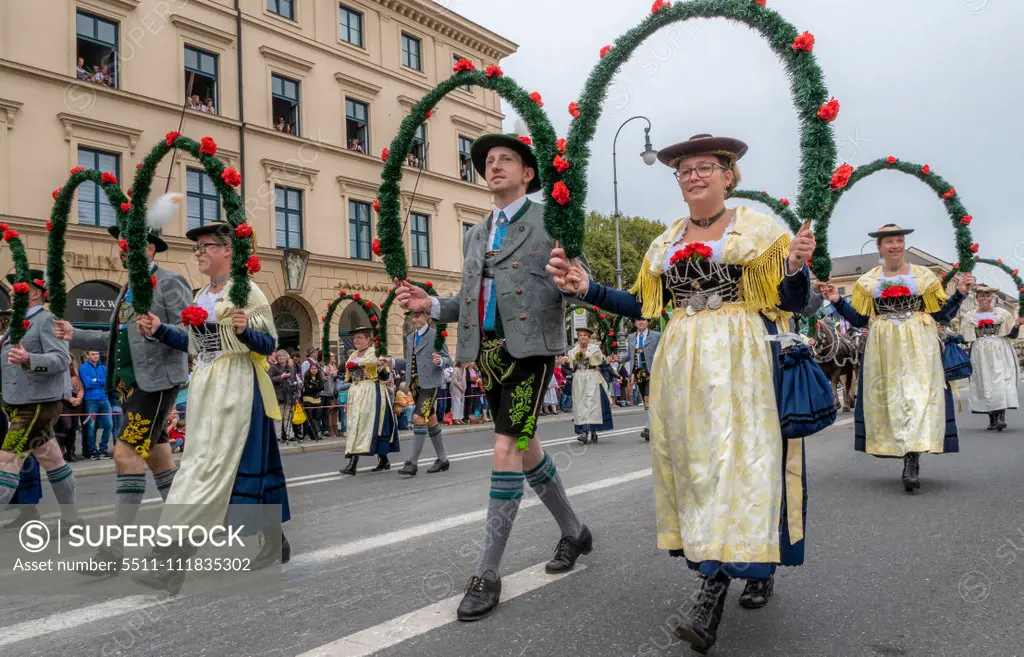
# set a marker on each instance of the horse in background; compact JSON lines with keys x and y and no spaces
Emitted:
{"x":839,"y":357}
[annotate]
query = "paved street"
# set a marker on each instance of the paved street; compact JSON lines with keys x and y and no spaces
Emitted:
{"x":378,"y":564}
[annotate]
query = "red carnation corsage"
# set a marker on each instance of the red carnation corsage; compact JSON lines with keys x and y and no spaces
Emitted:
{"x":194,"y":316}
{"x":692,"y":251}
{"x":896,"y":291}
{"x":985,"y":322}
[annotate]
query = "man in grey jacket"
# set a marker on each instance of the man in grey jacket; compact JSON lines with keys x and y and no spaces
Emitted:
{"x":35,"y":382}
{"x":146,"y":375}
{"x":510,"y":316}
{"x":423,"y":374}
{"x":641,"y":346}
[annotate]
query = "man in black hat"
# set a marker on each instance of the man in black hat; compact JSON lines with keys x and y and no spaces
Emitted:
{"x":510,"y":315}
{"x":146,"y":376}
{"x":35,"y":383}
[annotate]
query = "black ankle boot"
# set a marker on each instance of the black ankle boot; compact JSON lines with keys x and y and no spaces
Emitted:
{"x":757,"y":592}
{"x":583,"y":438}
{"x":382,"y":464}
{"x":993,"y":419}
{"x":350,"y":469}
{"x":911,"y":472}
{"x":700,"y":630}
{"x":646,"y":434}
{"x":271,"y":553}
{"x":1000,"y":420}
{"x":593,"y":436}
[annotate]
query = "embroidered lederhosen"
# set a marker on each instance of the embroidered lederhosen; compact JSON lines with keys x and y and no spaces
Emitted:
{"x":514,"y":388}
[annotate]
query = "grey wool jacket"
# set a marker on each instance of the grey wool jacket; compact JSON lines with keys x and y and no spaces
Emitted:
{"x":45,"y":378}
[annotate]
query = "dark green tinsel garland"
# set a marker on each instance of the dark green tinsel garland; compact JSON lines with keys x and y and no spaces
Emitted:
{"x":777,"y":206}
{"x":954,"y":207}
{"x":441,"y":335}
{"x":19,"y":305}
{"x":375,"y":323}
{"x":1012,"y":273}
{"x":818,"y":150}
{"x":389,"y":227}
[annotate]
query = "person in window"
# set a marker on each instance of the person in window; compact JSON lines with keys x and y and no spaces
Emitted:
{"x":991,"y":330}
{"x":108,"y":79}
{"x":908,"y":407}
{"x":356,"y":146}
{"x":209,"y":107}
{"x":279,"y":126}
{"x":81,"y":72}
{"x":464,"y":172}
{"x":732,"y":275}
{"x":97,"y":74}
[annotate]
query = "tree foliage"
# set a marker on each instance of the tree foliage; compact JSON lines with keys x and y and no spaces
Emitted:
{"x":635,"y":234}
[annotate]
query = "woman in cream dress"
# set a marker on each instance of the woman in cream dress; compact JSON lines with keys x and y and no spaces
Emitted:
{"x":728,"y":489}
{"x":591,"y":408}
{"x":989,"y":330}
{"x":372,"y":427}
{"x":904,"y":406}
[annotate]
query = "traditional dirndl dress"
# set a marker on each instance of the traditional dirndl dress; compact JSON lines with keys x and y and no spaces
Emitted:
{"x":591,"y":406}
{"x":993,"y":360}
{"x":372,"y":428}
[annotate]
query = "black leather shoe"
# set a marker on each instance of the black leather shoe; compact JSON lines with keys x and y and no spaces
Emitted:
{"x":646,"y":434}
{"x":439,"y":466}
{"x":409,"y":469}
{"x":583,"y":438}
{"x":757,"y":592}
{"x":569,"y":550}
{"x":993,"y":419}
{"x":481,"y":599}
{"x":1000,"y":421}
{"x":271,"y":553}
{"x":700,"y":629}
{"x":593,"y":436}
{"x":911,"y":472}
{"x":350,"y":469}
{"x":382,"y":464}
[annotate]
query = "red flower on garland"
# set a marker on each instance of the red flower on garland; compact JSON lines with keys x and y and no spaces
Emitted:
{"x":243,"y":230}
{"x":804,"y":42}
{"x":664,"y":312}
{"x":985,"y":322}
{"x":56,"y":193}
{"x":376,"y":205}
{"x":10,"y":234}
{"x":760,"y":2}
{"x":367,"y":304}
{"x":1015,"y":272}
{"x":494,"y":71}
{"x":152,"y":281}
{"x":611,"y":333}
{"x":384,"y":154}
{"x":430,"y":113}
{"x":252,"y":265}
{"x":605,"y":51}
{"x":526,"y":140}
{"x":956,"y":265}
{"x":926,"y":169}
{"x":692,"y":251}
{"x":208,"y":146}
{"x":560,"y":145}
{"x":891,"y":159}
{"x":323,"y":318}
{"x":601,"y":316}
{"x":122,"y":244}
{"x":594,"y":308}
{"x":138,"y":166}
{"x":20,"y":288}
{"x":829,"y":111}
{"x":428,"y":285}
{"x":841,"y":176}
{"x":356,"y":297}
{"x":966,"y":219}
{"x":535,"y":97}
{"x":125,"y":207}
{"x":375,"y":246}
{"x":49,"y":225}
{"x":194,"y":316}
{"x":560,"y":193}
{"x":231,"y":177}
{"x":341,"y":293}
{"x":560,"y":164}
{"x":25,"y":324}
{"x":464,"y":65}
{"x":614,"y":343}
{"x":129,"y":193}
{"x":895,"y":291}
{"x":373,"y":318}
{"x":574,"y":109}
{"x":3,"y":227}
{"x":999,"y":260}
{"x":171,"y":136}
{"x":659,"y":5}
{"x":444,"y":334}
{"x":950,"y":193}
{"x":974,"y":247}
{"x":784,"y":201}
{"x":75,"y":170}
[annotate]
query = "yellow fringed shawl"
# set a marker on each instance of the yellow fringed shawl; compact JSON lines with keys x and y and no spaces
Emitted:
{"x":756,"y":241}
{"x":928,"y":285}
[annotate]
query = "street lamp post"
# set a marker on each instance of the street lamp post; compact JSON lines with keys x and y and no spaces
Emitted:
{"x":650,"y":156}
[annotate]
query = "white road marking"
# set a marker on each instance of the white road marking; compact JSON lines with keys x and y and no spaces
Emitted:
{"x":419,"y":622}
{"x":73,"y":618}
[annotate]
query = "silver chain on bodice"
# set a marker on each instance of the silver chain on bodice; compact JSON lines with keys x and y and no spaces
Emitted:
{"x":898,"y":309}
{"x":988,"y":331}
{"x":701,"y":284}
{"x":207,"y":339}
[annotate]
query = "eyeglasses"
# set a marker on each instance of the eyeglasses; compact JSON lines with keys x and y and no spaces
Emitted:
{"x":704,"y":170}
{"x":201,"y":247}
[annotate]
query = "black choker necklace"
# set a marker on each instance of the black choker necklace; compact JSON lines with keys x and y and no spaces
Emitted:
{"x":706,"y":223}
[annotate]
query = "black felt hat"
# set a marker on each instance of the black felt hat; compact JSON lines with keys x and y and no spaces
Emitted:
{"x":890,"y":230}
{"x":36,"y":276}
{"x":216,"y":227}
{"x":483,"y":145}
{"x":702,"y":144}
{"x":154,"y":237}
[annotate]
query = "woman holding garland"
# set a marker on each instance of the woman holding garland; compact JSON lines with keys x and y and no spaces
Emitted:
{"x":591,"y":409}
{"x":908,"y":409}
{"x":372,"y":428}
{"x":989,"y":330}
{"x":728,"y":488}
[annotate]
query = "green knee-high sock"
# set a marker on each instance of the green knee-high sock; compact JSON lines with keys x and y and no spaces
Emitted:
{"x":164,"y":481}
{"x":62,"y":481}
{"x":131,"y":488}
{"x":8,"y":486}
{"x":547,"y":484}
{"x":503,"y":505}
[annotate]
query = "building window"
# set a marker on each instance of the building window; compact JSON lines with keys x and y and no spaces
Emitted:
{"x":94,"y":207}
{"x":359,"y":229}
{"x":351,"y":26}
{"x":419,"y":230}
{"x":418,"y":154}
{"x":283,"y":8}
{"x":288,"y":217}
{"x":285,"y":103}
{"x":97,"y":50}
{"x":357,"y":125}
{"x":465,"y":230}
{"x":455,"y":60}
{"x":466,"y":171}
{"x":411,"y":52}
{"x":200,"y":80}
{"x":203,"y":200}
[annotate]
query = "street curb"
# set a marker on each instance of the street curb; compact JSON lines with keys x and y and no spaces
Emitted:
{"x":335,"y":444}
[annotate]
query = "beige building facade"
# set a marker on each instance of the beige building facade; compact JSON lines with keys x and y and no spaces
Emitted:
{"x":300,"y":96}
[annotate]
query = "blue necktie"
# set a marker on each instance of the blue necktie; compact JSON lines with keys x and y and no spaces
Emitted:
{"x":417,"y":339}
{"x":641,"y":341}
{"x":499,"y":237}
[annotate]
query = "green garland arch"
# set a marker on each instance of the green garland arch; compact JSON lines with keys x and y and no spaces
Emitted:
{"x":998,"y":263}
{"x":958,"y":214}
{"x":375,"y":323}
{"x":19,"y":304}
{"x":389,"y":227}
{"x":779,"y":206}
{"x":818,"y":150}
{"x":385,"y":308}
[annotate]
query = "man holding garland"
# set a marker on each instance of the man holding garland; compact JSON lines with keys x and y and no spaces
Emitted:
{"x":423,"y":376}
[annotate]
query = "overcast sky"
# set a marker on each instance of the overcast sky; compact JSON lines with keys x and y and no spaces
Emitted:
{"x":934,"y":81}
